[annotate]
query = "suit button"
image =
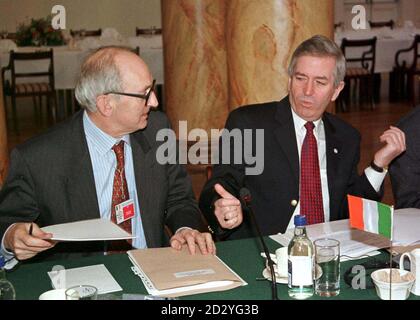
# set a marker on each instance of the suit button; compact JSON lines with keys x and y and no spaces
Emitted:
{"x":293,"y":203}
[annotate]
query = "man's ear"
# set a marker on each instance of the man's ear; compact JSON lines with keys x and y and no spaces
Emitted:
{"x":338,"y":90}
{"x":104,"y":104}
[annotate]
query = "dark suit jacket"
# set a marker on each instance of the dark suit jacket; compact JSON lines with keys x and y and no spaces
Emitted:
{"x":405,"y":170}
{"x":274,"y":190}
{"x":51,"y":181}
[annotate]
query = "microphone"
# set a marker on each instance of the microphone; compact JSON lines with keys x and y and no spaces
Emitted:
{"x":245,"y":197}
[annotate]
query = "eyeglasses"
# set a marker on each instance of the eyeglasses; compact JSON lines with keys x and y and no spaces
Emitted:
{"x":136,"y":95}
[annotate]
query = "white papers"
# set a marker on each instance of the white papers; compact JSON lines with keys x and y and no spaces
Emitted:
{"x":87,"y":230}
{"x":406,"y":226}
{"x":354,"y":244}
{"x":96,"y":275}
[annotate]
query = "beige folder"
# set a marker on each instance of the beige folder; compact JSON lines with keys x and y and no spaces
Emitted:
{"x":171,"y":273}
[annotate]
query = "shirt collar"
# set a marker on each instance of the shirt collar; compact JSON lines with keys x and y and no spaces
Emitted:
{"x":300,"y":123}
{"x":102,"y":141}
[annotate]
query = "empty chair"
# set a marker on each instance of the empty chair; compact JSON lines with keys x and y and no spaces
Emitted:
{"x":34,"y":83}
{"x":360,"y":68}
{"x":149,"y":31}
{"x":86,"y":33}
{"x":406,"y":73}
{"x":381,"y":24}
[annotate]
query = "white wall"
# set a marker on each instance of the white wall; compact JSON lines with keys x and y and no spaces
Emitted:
{"x":124,"y":15}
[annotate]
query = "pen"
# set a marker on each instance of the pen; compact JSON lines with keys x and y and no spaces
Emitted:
{"x":30,"y":229}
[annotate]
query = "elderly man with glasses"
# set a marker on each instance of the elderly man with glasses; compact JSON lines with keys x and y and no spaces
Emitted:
{"x":99,"y":163}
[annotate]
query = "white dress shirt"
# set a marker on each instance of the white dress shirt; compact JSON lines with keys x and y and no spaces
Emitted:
{"x":375,"y":178}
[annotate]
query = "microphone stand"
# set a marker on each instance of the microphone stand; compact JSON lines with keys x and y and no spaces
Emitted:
{"x":246,"y":198}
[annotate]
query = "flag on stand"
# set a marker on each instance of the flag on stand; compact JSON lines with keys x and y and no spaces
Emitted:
{"x":371,"y":216}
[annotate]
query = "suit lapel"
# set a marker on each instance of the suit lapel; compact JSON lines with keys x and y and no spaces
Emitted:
{"x":334,"y":152}
{"x":142,"y":162}
{"x":80,"y":182}
{"x":286,"y":136}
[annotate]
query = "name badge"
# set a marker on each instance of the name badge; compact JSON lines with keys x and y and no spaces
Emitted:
{"x":124,"y":211}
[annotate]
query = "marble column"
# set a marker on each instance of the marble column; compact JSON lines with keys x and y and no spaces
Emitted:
{"x":221,"y":54}
{"x":4,"y":153}
{"x":261,"y":37}
{"x":195,"y":63}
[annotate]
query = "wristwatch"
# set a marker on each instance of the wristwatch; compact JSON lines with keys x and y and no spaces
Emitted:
{"x":376,"y":168}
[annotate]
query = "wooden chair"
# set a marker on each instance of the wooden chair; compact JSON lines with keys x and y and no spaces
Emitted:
{"x":404,"y":74}
{"x":86,"y":33}
{"x":361,"y":71}
{"x":150,"y":31}
{"x":381,"y":24}
{"x":37,"y":88}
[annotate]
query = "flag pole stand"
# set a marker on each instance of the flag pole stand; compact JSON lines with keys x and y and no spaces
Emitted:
{"x":390,"y":272}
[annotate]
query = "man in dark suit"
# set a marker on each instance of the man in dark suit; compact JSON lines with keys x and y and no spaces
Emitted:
{"x":405,"y":170}
{"x":71,"y":172}
{"x":316,"y":74}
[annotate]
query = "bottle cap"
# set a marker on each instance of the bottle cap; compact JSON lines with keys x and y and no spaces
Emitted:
{"x":2,"y":262}
{"x":300,"y":220}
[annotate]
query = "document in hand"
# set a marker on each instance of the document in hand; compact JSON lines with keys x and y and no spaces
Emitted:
{"x":87,"y":230}
{"x":171,"y":273}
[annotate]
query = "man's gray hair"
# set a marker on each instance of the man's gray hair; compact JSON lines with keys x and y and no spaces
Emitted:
{"x":99,"y":74}
{"x":320,"y":46}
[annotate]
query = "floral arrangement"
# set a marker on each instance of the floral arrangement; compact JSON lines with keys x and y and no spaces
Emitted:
{"x":39,"y":32}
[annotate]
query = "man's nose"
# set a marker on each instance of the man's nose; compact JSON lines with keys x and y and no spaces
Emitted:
{"x":309,"y":88}
{"x":153,"y":100}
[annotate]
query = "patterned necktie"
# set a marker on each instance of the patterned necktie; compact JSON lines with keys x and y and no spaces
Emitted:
{"x":119,"y":194}
{"x":310,"y":179}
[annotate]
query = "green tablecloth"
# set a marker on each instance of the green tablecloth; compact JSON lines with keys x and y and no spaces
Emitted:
{"x":243,"y":256}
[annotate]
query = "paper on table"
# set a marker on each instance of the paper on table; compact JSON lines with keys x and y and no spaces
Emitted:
{"x":406,"y":226}
{"x":354,"y":243}
{"x":96,"y":275}
{"x":87,"y":230}
{"x":186,"y":274}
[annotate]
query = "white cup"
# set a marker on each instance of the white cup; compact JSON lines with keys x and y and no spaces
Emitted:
{"x":414,"y":257}
{"x":57,"y":294}
{"x":281,"y":257}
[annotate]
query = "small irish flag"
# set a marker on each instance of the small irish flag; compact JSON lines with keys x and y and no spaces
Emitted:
{"x":371,"y":216}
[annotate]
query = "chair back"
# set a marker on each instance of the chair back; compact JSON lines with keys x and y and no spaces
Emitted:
{"x":416,"y":55}
{"x":381,"y":24}
{"x":363,"y":51}
{"x":86,"y":33}
{"x":150,"y":31}
{"x":16,"y":57}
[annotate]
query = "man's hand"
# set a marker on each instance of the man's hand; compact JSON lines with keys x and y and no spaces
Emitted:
{"x":192,"y":237}
{"x":18,"y":240}
{"x":227,"y":209}
{"x":394,"y":140}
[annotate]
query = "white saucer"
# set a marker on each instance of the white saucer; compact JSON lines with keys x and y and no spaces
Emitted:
{"x":267,"y":274}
